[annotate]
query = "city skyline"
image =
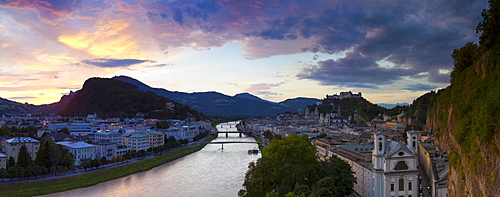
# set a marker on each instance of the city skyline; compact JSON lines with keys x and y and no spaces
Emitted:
{"x":392,"y":51}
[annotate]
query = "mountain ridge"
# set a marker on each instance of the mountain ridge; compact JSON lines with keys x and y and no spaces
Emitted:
{"x":215,"y":103}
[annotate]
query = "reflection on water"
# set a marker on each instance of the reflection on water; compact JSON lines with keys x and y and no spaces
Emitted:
{"x":208,"y":172}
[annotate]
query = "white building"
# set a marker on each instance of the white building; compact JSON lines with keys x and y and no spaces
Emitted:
{"x":77,"y":127}
{"x":390,"y":170}
{"x":81,"y":151}
{"x":110,"y":135}
{"x":136,"y":141}
{"x":395,"y":165}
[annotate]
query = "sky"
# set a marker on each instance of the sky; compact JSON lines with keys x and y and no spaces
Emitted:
{"x":392,"y":51}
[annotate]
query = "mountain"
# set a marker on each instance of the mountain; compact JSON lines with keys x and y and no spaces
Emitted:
{"x":114,"y":98}
{"x":251,"y":97}
{"x":214,"y":103}
{"x":391,"y":105}
{"x":465,"y":118}
{"x":12,"y":107}
{"x":57,"y":107}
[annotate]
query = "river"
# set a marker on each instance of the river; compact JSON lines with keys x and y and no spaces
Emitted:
{"x":208,"y":172}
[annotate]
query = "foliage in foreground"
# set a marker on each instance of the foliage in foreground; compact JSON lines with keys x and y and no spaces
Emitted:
{"x":290,"y":167}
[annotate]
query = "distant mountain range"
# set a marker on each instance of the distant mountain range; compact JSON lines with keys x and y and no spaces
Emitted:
{"x":390,"y":105}
{"x":215,"y":103}
{"x":209,"y":103}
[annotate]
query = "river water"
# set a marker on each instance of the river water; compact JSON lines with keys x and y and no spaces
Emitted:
{"x":208,"y":172}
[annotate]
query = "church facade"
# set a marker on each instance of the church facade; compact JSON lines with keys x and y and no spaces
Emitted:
{"x":392,"y":171}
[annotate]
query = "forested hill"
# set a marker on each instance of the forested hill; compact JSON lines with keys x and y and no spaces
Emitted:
{"x":465,"y":118}
{"x":215,"y":103}
{"x":114,"y":98}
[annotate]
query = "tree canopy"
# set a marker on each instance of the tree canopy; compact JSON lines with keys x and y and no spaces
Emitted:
{"x":292,"y":165}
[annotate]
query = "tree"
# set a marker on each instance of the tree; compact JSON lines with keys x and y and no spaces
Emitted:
{"x":68,"y":161}
{"x":285,"y":164}
{"x":12,"y":172}
{"x":162,"y":125}
{"x":11,"y":162}
{"x":127,"y":156}
{"x":65,"y":130}
{"x":85,"y":165}
{"x":37,"y":171}
{"x":104,"y":161}
{"x":3,"y":173}
{"x":338,"y":176}
{"x":23,"y":159}
{"x":29,"y":171}
{"x":21,"y":172}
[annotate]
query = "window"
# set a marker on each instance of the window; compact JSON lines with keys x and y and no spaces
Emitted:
{"x":401,"y":184}
{"x":392,"y":187}
{"x":401,"y":165}
{"x":409,"y":186}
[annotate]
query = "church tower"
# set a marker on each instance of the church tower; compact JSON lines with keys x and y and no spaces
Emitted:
{"x":412,"y":140}
{"x":378,"y":163}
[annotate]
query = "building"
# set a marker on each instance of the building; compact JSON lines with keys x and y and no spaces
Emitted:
{"x":109,"y":135}
{"x":81,"y":151}
{"x":385,"y":168}
{"x":106,"y":149}
{"x":3,"y":160}
{"x":395,"y":165}
{"x":12,"y":147}
{"x":136,"y":141}
{"x":358,"y":156}
{"x":77,"y":127}
{"x":156,"y":138}
{"x":435,"y":163}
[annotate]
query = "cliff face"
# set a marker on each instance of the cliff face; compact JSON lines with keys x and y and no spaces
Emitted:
{"x":465,"y":118}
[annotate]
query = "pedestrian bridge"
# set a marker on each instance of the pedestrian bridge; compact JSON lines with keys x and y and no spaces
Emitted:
{"x":240,"y":132}
{"x":231,"y":142}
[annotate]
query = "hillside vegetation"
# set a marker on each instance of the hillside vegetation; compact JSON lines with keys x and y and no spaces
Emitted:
{"x":113,"y":98}
{"x":465,"y":117}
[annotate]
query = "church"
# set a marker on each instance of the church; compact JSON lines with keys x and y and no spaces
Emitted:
{"x":390,"y":170}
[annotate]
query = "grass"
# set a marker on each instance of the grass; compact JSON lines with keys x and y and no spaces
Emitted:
{"x":92,"y":178}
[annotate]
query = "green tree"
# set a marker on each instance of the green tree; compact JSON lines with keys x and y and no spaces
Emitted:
{"x":11,"y":162}
{"x":12,"y":172}
{"x":23,"y":158}
{"x":68,"y":161}
{"x":104,"y":161}
{"x":86,"y":164}
{"x":338,"y":176}
{"x":21,"y":172}
{"x":3,"y":173}
{"x":285,"y":164}
{"x":42,"y":155}
{"x":29,"y":171}
{"x":162,"y":125}
{"x":37,"y":171}
{"x":65,"y":130}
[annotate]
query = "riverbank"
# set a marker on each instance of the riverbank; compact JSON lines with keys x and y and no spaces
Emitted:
{"x":92,"y":178}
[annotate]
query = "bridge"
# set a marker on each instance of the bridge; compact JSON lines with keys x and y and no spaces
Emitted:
{"x":231,"y":142}
{"x":240,"y":132}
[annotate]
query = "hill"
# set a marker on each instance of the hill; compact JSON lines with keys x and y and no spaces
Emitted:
{"x":114,"y":98}
{"x":215,"y":103}
{"x":12,"y":107}
{"x":465,"y":118}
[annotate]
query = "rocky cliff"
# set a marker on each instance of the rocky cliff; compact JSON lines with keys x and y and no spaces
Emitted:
{"x":465,"y":118}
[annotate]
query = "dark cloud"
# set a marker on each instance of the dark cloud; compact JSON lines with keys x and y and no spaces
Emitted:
{"x":415,"y":41}
{"x":354,"y":70}
{"x":107,"y":63}
{"x":419,"y":87}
